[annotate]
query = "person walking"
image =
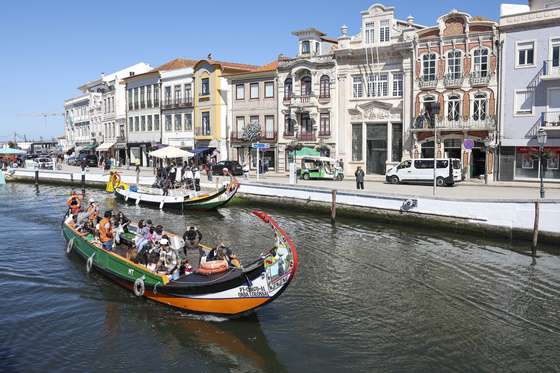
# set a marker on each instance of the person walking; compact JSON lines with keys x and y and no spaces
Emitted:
{"x":359,"y":178}
{"x":246,"y":171}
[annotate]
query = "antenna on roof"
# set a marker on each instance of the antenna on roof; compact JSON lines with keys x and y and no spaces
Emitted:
{"x":209,"y":57}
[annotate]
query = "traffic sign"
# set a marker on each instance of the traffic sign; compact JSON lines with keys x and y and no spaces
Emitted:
{"x":468,"y":144}
{"x":259,"y":145}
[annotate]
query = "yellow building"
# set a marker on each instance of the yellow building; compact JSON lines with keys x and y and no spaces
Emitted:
{"x":211,"y":96}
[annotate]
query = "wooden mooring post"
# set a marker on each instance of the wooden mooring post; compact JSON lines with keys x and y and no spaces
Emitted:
{"x":83,"y":181}
{"x":36,"y":178}
{"x":535,"y":234}
{"x":333,"y":207}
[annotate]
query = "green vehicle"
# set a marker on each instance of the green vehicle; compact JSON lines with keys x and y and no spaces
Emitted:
{"x":321,"y":168}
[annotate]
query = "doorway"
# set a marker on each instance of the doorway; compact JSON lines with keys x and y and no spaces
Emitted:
{"x":376,"y":156}
{"x":478,"y":162}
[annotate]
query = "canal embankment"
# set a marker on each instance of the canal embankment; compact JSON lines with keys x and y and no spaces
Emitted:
{"x":512,"y":218}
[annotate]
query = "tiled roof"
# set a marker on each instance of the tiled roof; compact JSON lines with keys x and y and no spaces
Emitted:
{"x":177,"y":63}
{"x":234,"y":65}
{"x":269,"y":67}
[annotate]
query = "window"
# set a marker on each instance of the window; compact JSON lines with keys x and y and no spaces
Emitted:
{"x":357,"y":86}
{"x":305,"y":47}
{"x":150,"y":123}
{"x":178,"y":122}
{"x":167,"y":95}
{"x":397,"y":142}
{"x":324,"y":124}
{"x":142,"y":97}
{"x":378,"y":85}
{"x":149,"y":95}
{"x":254,"y":120}
{"x":429,"y":67}
{"x":288,"y":88}
{"x":143,"y":123}
{"x":288,"y":126}
{"x":524,"y":102}
{"x":205,"y":123}
{"x":130,"y":101}
{"x":370,"y":33}
{"x":240,"y":92}
{"x":453,"y":107}
{"x":397,"y":84}
{"x":254,"y":90}
{"x":480,"y":68}
{"x":136,"y":104}
{"x":156,"y":122}
{"x":269,"y":127}
{"x":357,"y":142}
{"x":454,"y":65}
{"x":325,"y":86}
{"x":156,"y":95}
{"x":480,"y":105}
{"x":188,"y":122}
{"x":526,"y":53}
{"x":555,"y":52}
{"x":168,"y":125}
{"x":384,"y":31}
{"x":205,"y":86}
{"x":136,"y":124}
{"x":269,"y":89}
{"x":130,"y":124}
{"x":188,"y":93}
{"x":240,"y":126}
{"x":306,"y":86}
{"x":177,"y":94}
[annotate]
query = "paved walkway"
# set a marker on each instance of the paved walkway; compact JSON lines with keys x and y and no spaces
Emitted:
{"x":376,"y":184}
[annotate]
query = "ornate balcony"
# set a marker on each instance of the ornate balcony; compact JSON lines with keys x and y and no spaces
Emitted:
{"x":301,"y":101}
{"x":177,"y":103}
{"x":423,"y":124}
{"x":306,"y":136}
{"x":428,"y":82}
{"x":480,"y":78}
{"x":453,"y":80}
{"x":199,"y":131}
{"x":326,"y":133}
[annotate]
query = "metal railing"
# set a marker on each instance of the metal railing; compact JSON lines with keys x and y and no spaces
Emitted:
{"x":453,"y":80}
{"x":324,"y":133}
{"x":428,"y":82}
{"x":487,"y":123}
{"x":479,"y":78}
{"x":306,"y":136}
{"x":550,"y":119}
{"x":177,"y":103}
{"x":303,"y":100}
{"x":199,"y":131}
{"x":551,"y":69}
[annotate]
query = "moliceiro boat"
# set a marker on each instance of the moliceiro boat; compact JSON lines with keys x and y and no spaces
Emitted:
{"x":179,"y":198}
{"x":234,"y":292}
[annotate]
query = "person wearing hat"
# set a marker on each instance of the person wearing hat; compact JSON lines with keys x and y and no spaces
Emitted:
{"x":93,"y":211}
{"x":167,"y":257}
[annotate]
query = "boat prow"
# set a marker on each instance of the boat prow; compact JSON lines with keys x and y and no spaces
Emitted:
{"x":233,"y":293}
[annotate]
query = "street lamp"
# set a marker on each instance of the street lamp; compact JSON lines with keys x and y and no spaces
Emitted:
{"x":541,"y":139}
{"x":487,"y":143}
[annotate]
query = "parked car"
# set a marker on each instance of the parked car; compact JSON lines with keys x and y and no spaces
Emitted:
{"x":44,"y":162}
{"x":91,"y":160}
{"x":233,"y":166}
{"x":421,"y":170}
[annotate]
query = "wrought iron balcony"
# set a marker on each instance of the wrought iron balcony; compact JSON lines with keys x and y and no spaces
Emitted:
{"x":551,"y":70}
{"x":480,"y":78}
{"x":200,"y":131}
{"x":550,"y":120}
{"x":427,"y":82}
{"x":424,"y":124}
{"x":175,"y":103}
{"x":453,"y":80}
{"x":301,"y":101}
{"x":306,"y":136}
{"x":326,"y":133}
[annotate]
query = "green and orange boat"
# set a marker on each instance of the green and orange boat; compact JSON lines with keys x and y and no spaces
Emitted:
{"x":233,"y":293}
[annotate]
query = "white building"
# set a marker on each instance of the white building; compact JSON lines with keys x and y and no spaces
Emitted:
{"x":374,"y":81}
{"x":77,"y":118}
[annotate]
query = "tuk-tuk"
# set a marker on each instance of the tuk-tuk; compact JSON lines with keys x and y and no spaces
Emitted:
{"x":320,"y":168}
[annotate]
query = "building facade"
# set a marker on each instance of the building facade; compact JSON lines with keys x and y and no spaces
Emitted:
{"x":374,"y":80}
{"x":253,"y":103}
{"x":455,"y":67}
{"x":77,"y":126}
{"x":307,"y":98}
{"x":530,"y":39}
{"x":177,"y":103}
{"x":211,"y":92}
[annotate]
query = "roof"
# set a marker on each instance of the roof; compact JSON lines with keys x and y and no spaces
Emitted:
{"x":177,"y":63}
{"x":269,"y":67}
{"x":481,"y":19}
{"x":310,"y":30}
{"x":329,"y":40}
{"x":229,"y":65}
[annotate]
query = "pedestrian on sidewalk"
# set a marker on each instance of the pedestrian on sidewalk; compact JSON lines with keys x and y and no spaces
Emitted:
{"x":359,"y":178}
{"x":245,"y":171}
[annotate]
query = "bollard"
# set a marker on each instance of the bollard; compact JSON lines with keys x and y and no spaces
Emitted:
{"x":535,"y":234}
{"x":333,"y":207}
{"x":83,"y":182}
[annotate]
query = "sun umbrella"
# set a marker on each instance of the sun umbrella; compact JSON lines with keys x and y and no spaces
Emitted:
{"x":11,"y":151}
{"x":170,"y":152}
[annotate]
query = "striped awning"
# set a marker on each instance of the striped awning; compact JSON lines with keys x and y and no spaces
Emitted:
{"x":105,"y":146}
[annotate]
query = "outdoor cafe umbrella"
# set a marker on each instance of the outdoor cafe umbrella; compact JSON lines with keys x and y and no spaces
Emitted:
{"x":12,"y":151}
{"x":170,"y":152}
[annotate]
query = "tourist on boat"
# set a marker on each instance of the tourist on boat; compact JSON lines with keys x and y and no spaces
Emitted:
{"x":191,"y":238}
{"x":158,"y":233}
{"x":183,"y":171}
{"x":189,"y":176}
{"x":142,"y":236}
{"x":82,"y":220}
{"x":106,"y":231}
{"x":93,"y":211}
{"x":173,"y":174}
{"x":74,"y":203}
{"x":168,"y":261}
{"x":196,"y":179}
{"x":123,"y":220}
{"x":231,"y":258}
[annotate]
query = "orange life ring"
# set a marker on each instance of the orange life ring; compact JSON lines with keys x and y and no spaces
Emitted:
{"x":116,"y":180}
{"x":212,"y":267}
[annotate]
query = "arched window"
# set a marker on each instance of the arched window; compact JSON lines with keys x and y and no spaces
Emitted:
{"x":480,"y":65}
{"x":288,"y":88}
{"x":454,"y":64}
{"x":306,"y":86}
{"x":325,"y":87}
{"x":424,"y":120}
{"x":453,"y":107}
{"x":429,"y":66}
{"x":480,"y":106}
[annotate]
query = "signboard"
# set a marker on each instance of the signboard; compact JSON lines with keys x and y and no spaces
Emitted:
{"x":468,"y":144}
{"x":258,"y":145}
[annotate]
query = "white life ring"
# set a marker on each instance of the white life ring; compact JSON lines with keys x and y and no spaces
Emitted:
{"x":139,"y":287}
{"x":89,"y":263}
{"x":69,"y":246}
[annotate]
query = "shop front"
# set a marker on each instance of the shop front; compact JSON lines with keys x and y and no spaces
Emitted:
{"x":527,"y":164}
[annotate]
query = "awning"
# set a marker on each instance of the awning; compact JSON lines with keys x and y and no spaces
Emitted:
{"x":304,"y":152}
{"x":86,"y":147}
{"x":105,"y":146}
{"x":202,"y":149}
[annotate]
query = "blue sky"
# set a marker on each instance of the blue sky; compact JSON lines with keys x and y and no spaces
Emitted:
{"x":49,"y":48}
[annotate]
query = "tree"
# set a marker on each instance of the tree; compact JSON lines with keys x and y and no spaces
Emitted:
{"x":252,"y":132}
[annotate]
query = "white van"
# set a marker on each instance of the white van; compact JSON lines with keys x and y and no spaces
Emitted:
{"x":448,"y":171}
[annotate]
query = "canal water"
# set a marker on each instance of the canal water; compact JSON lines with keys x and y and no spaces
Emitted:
{"x":367,"y":297}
